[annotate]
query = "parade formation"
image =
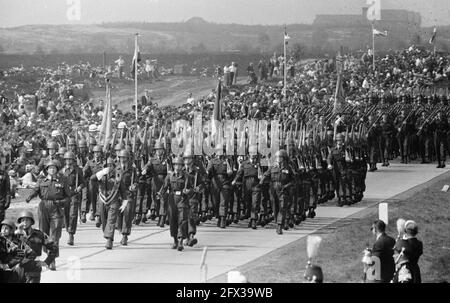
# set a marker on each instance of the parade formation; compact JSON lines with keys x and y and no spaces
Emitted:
{"x":338,"y":120}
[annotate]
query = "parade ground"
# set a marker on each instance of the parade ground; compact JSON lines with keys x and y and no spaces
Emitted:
{"x":148,"y":257}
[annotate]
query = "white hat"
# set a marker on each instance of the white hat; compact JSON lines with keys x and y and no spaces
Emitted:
{"x":122,"y":125}
{"x":93,"y":128}
{"x":255,"y":104}
{"x":236,"y":277}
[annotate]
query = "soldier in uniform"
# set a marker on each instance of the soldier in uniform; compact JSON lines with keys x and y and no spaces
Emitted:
{"x":196,"y":173}
{"x":424,"y":136}
{"x":221,"y":174}
{"x":249,"y":172}
{"x":158,"y":168}
{"x":5,"y":194}
{"x":54,"y":192}
{"x":387,"y":131}
{"x":441,"y":127}
{"x":38,"y":241}
{"x":373,"y":137}
{"x":180,"y":187}
{"x":282,"y":178}
{"x":112,"y":190}
{"x":52,"y":148}
{"x":128,"y":177}
{"x":92,"y":167}
{"x":338,"y":165}
{"x":74,"y":178}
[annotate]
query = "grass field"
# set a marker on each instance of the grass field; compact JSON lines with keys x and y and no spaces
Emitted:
{"x":342,"y":244}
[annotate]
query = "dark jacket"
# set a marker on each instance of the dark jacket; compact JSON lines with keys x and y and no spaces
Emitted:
{"x":383,"y":248}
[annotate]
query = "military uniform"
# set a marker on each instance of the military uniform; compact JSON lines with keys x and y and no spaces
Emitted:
{"x":54,"y":193}
{"x":92,"y":167}
{"x":336,"y":161}
{"x":127,"y":174}
{"x":5,"y":194}
{"x":221,"y":175}
{"x":158,"y":169}
{"x":197,"y":175}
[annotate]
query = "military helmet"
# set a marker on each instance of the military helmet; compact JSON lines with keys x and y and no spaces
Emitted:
{"x":281,"y":153}
{"x":122,"y":125}
{"x":55,"y":133}
{"x":110,"y":161}
{"x":178,"y":160}
{"x":339,"y":137}
{"x":9,"y":222}
{"x":159,"y":145}
{"x":97,"y":148}
{"x":124,"y":153}
{"x":82,"y":143}
{"x":92,"y":141}
{"x":69,"y":155}
{"x":53,"y":163}
{"x":93,"y":128}
{"x":72,"y":141}
{"x":25,"y":214}
{"x":62,"y":150}
{"x":118,"y":147}
{"x":52,"y":145}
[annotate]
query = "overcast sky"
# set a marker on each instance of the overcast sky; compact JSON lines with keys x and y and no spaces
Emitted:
{"x":24,"y":12}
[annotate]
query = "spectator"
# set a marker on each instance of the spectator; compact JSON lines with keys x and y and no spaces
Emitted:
{"x":383,"y":248}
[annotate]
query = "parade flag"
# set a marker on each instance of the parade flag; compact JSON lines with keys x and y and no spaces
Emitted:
{"x":286,"y":36}
{"x":136,"y":60}
{"x":339,"y":97}
{"x":105,"y":129}
{"x":217,"y":114}
{"x":378,"y":33}
{"x":433,"y":37}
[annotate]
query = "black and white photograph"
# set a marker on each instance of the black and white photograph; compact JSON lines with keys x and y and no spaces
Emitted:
{"x":216,"y":142}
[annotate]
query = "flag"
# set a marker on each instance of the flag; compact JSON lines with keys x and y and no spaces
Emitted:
{"x":339,"y":96}
{"x":286,"y":36}
{"x":379,"y":33}
{"x":433,"y":37}
{"x":136,"y":60}
{"x":105,"y":129}
{"x":217,"y":114}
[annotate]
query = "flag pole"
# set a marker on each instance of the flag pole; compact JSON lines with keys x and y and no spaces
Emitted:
{"x":285,"y":65}
{"x":136,"y":78}
{"x":373,"y":45}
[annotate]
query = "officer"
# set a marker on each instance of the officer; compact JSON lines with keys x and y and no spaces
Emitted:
{"x":89,"y":205}
{"x":127,"y":174}
{"x":387,"y":131}
{"x":248,"y":172}
{"x":112,"y":190}
{"x":221,"y":174}
{"x":338,"y":165}
{"x":180,"y":186}
{"x":441,"y":127}
{"x":196,"y":173}
{"x":74,"y":177}
{"x":282,"y":178}
{"x":5,"y":194}
{"x":54,"y":192}
{"x":158,"y":168}
{"x":38,"y":241}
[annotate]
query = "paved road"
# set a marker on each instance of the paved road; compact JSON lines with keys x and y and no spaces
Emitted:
{"x":148,"y":257}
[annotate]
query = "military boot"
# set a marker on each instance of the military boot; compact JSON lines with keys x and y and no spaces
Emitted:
{"x":223,"y":222}
{"x":97,"y":222}
{"x":253,"y":223}
{"x":124,"y":240}
{"x":52,"y":266}
{"x":152,"y":215}
{"x":279,"y":229}
{"x":83,"y":217}
{"x":70,"y":241}
{"x":175,"y":243}
{"x":91,"y":217}
{"x":109,"y":243}
{"x":161,"y":221}
{"x":137,"y":219}
{"x":235,"y":219}
{"x":311,"y":213}
{"x":180,"y":244}
{"x":144,"y":219}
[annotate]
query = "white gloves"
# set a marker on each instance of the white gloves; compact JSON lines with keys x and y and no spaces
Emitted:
{"x":123,"y":206}
{"x":102,"y":173}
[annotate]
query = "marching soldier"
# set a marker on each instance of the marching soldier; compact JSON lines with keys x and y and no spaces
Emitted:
{"x":158,"y":168}
{"x":249,"y":172}
{"x":387,"y":130}
{"x":127,"y":175}
{"x":74,"y":177}
{"x":198,"y":174}
{"x":221,"y":174}
{"x":338,"y":165}
{"x":5,"y":194}
{"x":424,"y":136}
{"x":441,"y":126}
{"x":54,"y":192}
{"x":281,"y":177}
{"x":89,"y":205}
{"x":112,"y":190}
{"x":38,"y":241}
{"x":180,"y":187}
{"x":52,"y":148}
